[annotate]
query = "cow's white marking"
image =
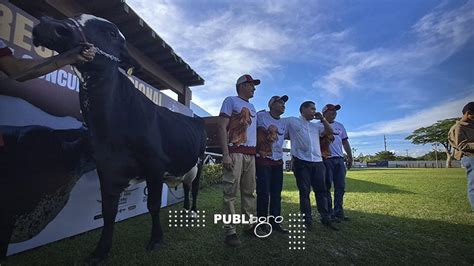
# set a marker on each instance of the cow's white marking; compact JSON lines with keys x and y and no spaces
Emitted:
{"x":84,"y":18}
{"x":189,"y":176}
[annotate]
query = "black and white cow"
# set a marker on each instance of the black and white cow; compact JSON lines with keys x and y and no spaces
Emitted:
{"x":39,"y":167}
{"x":130,"y":135}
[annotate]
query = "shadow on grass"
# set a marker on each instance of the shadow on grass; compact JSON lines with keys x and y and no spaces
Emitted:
{"x":378,"y":169}
{"x":368,"y":238}
{"x":352,"y":185}
{"x":362,"y":186}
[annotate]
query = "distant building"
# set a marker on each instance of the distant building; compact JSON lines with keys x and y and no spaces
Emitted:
{"x":198,"y":110}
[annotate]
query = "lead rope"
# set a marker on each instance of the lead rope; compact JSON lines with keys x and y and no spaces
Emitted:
{"x":84,"y":39}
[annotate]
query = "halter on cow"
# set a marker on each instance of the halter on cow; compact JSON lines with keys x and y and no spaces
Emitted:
{"x":130,"y":135}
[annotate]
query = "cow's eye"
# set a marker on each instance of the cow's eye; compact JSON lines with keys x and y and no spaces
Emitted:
{"x":113,"y":34}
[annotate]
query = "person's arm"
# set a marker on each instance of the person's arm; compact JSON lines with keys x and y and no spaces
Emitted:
{"x":287,"y":127}
{"x":222,"y":125}
{"x":347,"y":149}
{"x":13,"y":66}
{"x":464,"y":143}
{"x":327,"y":127}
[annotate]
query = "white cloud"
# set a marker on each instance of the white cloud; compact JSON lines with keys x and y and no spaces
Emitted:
{"x":220,"y":47}
{"x":409,"y":123}
{"x":437,"y":36}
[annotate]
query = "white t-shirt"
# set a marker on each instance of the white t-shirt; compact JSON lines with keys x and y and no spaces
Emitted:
{"x":340,"y":134}
{"x":304,"y":136}
{"x":242,"y":129}
{"x":270,"y":136}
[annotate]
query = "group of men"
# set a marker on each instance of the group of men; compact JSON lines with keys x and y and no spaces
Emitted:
{"x":252,"y":149}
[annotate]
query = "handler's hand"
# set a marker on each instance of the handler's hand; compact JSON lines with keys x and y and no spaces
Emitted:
{"x":227,"y":162}
{"x":87,"y":54}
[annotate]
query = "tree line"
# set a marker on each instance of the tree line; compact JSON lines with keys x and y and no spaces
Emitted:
{"x":436,"y":134}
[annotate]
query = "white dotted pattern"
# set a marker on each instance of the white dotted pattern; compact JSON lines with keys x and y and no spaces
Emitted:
{"x":186,"y":218}
{"x":297,"y":231}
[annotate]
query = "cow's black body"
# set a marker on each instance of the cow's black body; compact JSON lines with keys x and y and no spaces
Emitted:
{"x":130,"y":135}
{"x":38,"y":169}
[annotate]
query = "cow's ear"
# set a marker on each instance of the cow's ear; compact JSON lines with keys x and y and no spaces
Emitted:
{"x":127,"y":62}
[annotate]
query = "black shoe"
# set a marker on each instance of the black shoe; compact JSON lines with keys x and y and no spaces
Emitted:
{"x":344,"y":218}
{"x":265,"y":228}
{"x":330,"y":224}
{"x":260,"y":232}
{"x":279,"y":229}
{"x":232,"y":241}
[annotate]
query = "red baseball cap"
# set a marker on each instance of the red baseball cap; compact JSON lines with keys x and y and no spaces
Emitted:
{"x":331,"y":106}
{"x":247,"y":78}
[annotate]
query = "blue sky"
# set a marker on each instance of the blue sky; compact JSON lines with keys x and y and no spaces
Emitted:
{"x":394,"y":66}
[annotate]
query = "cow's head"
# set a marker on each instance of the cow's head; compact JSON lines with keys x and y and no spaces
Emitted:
{"x":63,"y":35}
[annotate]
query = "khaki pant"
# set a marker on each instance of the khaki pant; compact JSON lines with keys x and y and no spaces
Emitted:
{"x":242,"y":176}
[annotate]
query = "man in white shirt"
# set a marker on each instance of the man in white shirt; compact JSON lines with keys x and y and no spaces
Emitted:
{"x":237,"y":131}
{"x":308,"y":164}
{"x":271,"y":130}
{"x":334,"y":163}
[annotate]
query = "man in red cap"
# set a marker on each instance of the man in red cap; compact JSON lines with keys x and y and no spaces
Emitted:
{"x":335,"y":167}
{"x":237,"y":130}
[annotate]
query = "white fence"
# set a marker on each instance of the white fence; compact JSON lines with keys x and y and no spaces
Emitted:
{"x":422,"y":164}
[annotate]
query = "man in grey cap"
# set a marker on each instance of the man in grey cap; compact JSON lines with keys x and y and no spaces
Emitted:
{"x":334,"y":162}
{"x":461,"y":138}
{"x":271,"y":130}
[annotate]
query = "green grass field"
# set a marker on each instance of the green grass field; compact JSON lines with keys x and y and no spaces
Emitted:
{"x":399,"y":216}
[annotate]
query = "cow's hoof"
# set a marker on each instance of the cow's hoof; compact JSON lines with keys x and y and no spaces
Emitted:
{"x":96,"y":259}
{"x":154,"y":245}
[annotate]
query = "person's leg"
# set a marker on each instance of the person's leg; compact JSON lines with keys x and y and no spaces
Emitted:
{"x":276,"y":186}
{"x":302,"y":175}
{"x":468,"y":162}
{"x":231,"y":183}
{"x":339,"y":179}
{"x":247,"y":188}
{"x":263,"y":189}
{"x":318,"y":182}
{"x":329,"y":165}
